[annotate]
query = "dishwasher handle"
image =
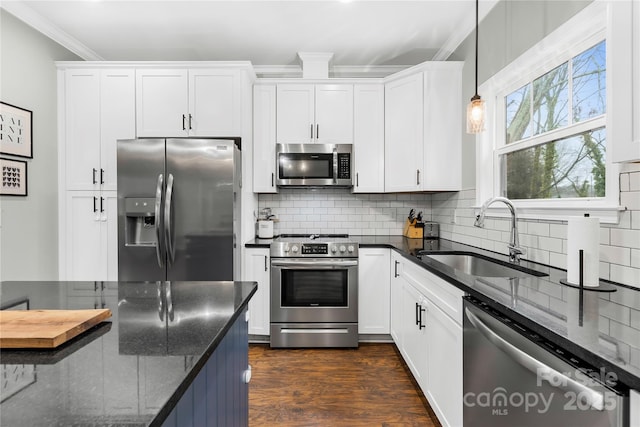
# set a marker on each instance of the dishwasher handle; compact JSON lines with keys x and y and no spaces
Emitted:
{"x":595,"y":398}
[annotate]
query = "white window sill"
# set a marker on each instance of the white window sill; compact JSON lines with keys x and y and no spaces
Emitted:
{"x":606,"y":214}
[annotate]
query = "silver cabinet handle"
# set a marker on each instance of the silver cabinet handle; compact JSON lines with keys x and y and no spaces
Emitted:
{"x":265,"y":263}
{"x":395,"y":269}
{"x":311,"y":130}
{"x":94,"y":175}
{"x":95,"y":201}
{"x":101,"y":176}
{"x":357,"y":180}
{"x":159,"y":249}
{"x":418,"y":177}
{"x":317,"y":131}
{"x":184,"y":118}
{"x":525,"y":359}
{"x":190,"y":118}
{"x":272,"y":179}
{"x":168,"y":224}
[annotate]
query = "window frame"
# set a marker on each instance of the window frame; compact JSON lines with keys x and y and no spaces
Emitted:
{"x":586,"y":29}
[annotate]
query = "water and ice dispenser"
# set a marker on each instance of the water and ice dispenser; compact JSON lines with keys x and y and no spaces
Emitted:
{"x":140,"y":223}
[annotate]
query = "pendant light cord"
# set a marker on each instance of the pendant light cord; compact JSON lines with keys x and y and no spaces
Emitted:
{"x":476,"y":48}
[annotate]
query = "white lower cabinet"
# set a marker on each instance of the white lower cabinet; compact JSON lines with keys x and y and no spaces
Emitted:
{"x":428,"y":332}
{"x":91,"y":235}
{"x":635,"y":409}
{"x":373,"y":291}
{"x":258,"y":268}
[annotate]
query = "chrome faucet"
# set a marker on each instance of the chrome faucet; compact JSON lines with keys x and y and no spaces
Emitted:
{"x":514,"y":246}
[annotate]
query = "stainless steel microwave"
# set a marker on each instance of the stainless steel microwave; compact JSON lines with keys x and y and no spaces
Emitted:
{"x":314,"y":165}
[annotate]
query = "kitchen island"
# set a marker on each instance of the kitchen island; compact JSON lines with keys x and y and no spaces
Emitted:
{"x":173,"y":353}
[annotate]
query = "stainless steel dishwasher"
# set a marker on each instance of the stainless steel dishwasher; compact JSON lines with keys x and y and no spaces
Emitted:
{"x":514,"y":377}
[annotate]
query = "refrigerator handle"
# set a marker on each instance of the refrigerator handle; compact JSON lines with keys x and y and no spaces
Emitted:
{"x":159,"y":249}
{"x":168,"y":224}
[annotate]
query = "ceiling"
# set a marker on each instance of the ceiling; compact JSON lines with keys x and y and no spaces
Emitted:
{"x":364,"y":33}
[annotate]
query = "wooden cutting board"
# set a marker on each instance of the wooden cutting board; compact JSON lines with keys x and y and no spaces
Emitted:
{"x":46,"y":328}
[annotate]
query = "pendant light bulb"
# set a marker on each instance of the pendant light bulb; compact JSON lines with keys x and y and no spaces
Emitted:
{"x":475,"y":115}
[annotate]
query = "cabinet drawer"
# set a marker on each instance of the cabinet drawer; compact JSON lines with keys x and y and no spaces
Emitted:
{"x":443,"y":294}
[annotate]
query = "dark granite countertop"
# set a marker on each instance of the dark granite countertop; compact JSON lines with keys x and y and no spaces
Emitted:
{"x":130,"y":370}
{"x":604,"y":330}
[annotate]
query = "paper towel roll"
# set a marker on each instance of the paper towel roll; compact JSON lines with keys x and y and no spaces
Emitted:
{"x":583,"y":233}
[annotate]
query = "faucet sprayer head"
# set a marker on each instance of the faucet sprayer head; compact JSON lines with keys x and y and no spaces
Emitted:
{"x":479,"y":222}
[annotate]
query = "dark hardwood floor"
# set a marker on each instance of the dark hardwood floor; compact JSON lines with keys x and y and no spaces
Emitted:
{"x":368,"y":386}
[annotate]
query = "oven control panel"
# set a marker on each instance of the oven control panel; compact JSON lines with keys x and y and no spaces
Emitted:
{"x":315,"y":249}
{"x":281,"y":249}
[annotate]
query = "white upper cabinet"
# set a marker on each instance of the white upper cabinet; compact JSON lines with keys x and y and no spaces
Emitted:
{"x":423,"y":129}
{"x":162,"y":103}
{"x":188,"y":102}
{"x":368,"y":138}
{"x":264,"y":139}
{"x":98,"y":110}
{"x":623,"y":81}
{"x":295,"y":114}
{"x":314,"y":113}
{"x":403,"y":134}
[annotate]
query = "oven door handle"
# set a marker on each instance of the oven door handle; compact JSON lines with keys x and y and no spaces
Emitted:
{"x":594,"y":398}
{"x":315,"y":264}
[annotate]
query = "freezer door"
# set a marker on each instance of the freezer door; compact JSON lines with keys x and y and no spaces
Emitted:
{"x":199,"y":209}
{"x":141,"y":173}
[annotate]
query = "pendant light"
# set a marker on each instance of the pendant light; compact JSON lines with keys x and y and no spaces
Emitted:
{"x":476,"y":108}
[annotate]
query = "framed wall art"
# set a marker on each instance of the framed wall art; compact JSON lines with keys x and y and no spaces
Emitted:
{"x":14,"y":177}
{"x":16,"y":131}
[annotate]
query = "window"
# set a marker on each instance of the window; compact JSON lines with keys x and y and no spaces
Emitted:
{"x":545,"y":146}
{"x":551,"y":105}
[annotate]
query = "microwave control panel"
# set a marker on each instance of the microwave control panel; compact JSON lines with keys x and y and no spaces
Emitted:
{"x":344,"y":166}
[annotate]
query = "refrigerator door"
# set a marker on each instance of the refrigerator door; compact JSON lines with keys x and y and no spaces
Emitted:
{"x":199,"y":209}
{"x":141,"y":164}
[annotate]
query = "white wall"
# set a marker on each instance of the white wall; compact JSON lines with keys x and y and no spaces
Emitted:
{"x":29,"y":231}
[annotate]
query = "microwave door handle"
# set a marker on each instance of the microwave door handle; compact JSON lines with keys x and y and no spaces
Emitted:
{"x":595,"y":398}
{"x":335,"y":165}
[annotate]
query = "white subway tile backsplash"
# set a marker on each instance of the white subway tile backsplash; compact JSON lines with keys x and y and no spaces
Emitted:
{"x":630,"y":200}
{"x":615,"y":255}
{"x":624,"y":237}
{"x":551,"y":244}
{"x":538,"y":228}
{"x":627,"y":275}
{"x":634,"y":181}
{"x":635,"y":258}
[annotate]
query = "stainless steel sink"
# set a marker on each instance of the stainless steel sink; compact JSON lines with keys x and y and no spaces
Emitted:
{"x":483,"y":267}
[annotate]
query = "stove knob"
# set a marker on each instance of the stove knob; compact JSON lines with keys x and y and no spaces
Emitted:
{"x":342,"y":248}
{"x":333,"y":249}
{"x":286,"y":248}
{"x":350,"y":249}
{"x":294,"y":249}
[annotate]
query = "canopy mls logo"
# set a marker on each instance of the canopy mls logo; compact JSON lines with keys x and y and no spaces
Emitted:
{"x":575,"y":391}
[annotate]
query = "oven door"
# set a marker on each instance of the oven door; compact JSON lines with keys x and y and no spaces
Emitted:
{"x":312,"y":290}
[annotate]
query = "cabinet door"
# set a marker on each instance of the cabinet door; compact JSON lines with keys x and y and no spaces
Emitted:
{"x":295,"y":114}
{"x":161,"y":103}
{"x":214,"y":103}
{"x":258,"y":269}
{"x":334,"y":114}
{"x":368,"y":138}
{"x":264,"y":139}
{"x":414,"y":337}
{"x":442,"y":128}
{"x":444,"y":377}
{"x":403,"y":134}
{"x":117,"y":120}
{"x":635,"y":408}
{"x":373,"y":291}
{"x":109,"y":235}
{"x":83,"y":230}
{"x":396,"y":284}
{"x":82,"y":129}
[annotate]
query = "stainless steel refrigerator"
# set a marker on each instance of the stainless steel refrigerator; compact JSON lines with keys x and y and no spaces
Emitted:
{"x":178,"y":209}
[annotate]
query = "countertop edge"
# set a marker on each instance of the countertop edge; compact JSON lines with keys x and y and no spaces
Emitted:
{"x":173,"y":400}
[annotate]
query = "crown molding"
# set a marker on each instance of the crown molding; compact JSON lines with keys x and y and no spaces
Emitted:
{"x":343,"y":71}
{"x":24,"y":13}
{"x":464,"y":30}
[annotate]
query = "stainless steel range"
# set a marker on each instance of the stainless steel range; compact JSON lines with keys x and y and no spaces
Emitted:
{"x":314,"y":291}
